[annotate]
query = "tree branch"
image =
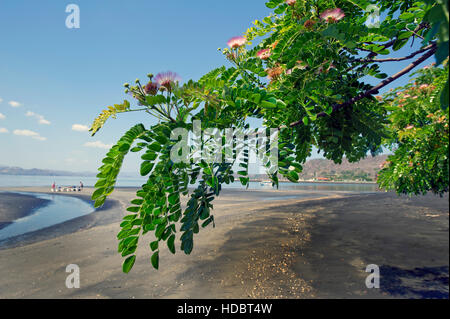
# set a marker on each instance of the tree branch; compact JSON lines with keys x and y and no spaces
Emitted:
{"x":376,"y":88}
{"x":428,"y":47}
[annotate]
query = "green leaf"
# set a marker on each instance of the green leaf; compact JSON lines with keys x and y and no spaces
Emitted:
{"x":146,"y":168}
{"x":399,"y":44}
{"x":154,"y":245}
{"x":293,"y":175}
{"x":149,"y":156}
{"x":155,"y":259}
{"x":155,"y":146}
{"x":161,"y":139}
{"x":97,"y":193}
{"x":136,"y":149}
{"x":441,"y":53}
{"x":173,"y":198}
{"x":128,"y":264}
{"x":187,"y":246}
{"x":268,"y":105}
{"x":445,"y":97}
{"x":171,"y":244}
{"x":406,"y":16}
{"x":133,"y":209}
{"x":208,"y":221}
{"x":124,"y":147}
{"x":99,"y":202}
{"x":137,"y":201}
{"x":404,"y":35}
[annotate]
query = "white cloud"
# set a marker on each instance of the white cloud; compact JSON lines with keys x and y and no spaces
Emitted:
{"x":39,"y":117}
{"x":29,"y":133}
{"x":80,"y":128}
{"x":3,"y":130}
{"x":14,"y":103}
{"x":98,"y":144}
{"x":1,"y":100}
{"x":2,"y":117}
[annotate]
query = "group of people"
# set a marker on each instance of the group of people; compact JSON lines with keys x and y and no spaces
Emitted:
{"x":67,"y":188}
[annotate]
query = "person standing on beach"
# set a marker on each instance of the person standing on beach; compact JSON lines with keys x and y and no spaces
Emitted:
{"x":81,"y":185}
{"x":53,"y":187}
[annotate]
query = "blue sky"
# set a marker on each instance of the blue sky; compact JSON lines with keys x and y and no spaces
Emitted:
{"x":52,"y":77}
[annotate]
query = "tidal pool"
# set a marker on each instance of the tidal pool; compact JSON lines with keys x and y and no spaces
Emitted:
{"x":60,"y":209}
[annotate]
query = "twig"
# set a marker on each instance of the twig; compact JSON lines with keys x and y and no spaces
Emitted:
{"x":400,"y":59}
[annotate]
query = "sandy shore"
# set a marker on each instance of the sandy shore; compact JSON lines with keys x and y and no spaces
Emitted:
{"x":260,"y":248}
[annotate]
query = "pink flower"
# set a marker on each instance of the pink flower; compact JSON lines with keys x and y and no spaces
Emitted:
{"x":406,"y":96}
{"x":236,"y":42}
{"x":423,"y":86}
{"x":274,"y":72}
{"x":263,"y":54}
{"x":332,"y":15}
{"x":290,"y":2}
{"x":167,"y":79}
{"x":409,"y":127}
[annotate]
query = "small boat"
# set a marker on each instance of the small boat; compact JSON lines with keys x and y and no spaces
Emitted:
{"x":265,"y":183}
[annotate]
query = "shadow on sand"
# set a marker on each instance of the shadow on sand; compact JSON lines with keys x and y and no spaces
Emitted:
{"x":426,"y":282}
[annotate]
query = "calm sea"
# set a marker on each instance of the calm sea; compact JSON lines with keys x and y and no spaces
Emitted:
{"x":24,"y":180}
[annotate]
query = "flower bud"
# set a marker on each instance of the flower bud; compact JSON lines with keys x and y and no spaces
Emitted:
{"x":151,"y":88}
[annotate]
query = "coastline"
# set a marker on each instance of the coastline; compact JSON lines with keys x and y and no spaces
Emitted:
{"x":291,"y":248}
{"x":14,"y":206}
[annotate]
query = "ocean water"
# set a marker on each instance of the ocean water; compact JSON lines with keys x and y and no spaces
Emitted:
{"x":24,"y":181}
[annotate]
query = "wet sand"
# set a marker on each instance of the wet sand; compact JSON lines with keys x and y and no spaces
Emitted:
{"x":289,"y":248}
{"x":14,"y":206}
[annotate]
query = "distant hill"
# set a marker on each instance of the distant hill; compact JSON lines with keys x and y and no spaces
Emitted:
{"x":322,"y":169}
{"x":366,"y":169}
{"x":315,"y":169}
{"x":6,"y":170}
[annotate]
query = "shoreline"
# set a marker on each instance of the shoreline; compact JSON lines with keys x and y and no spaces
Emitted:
{"x":100,"y":215}
{"x":11,"y":211}
{"x":59,"y":229}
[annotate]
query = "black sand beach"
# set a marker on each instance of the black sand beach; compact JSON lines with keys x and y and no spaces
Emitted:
{"x":290,"y":248}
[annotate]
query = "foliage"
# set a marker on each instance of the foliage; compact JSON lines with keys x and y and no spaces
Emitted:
{"x":303,"y":76}
{"x":419,"y":136}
